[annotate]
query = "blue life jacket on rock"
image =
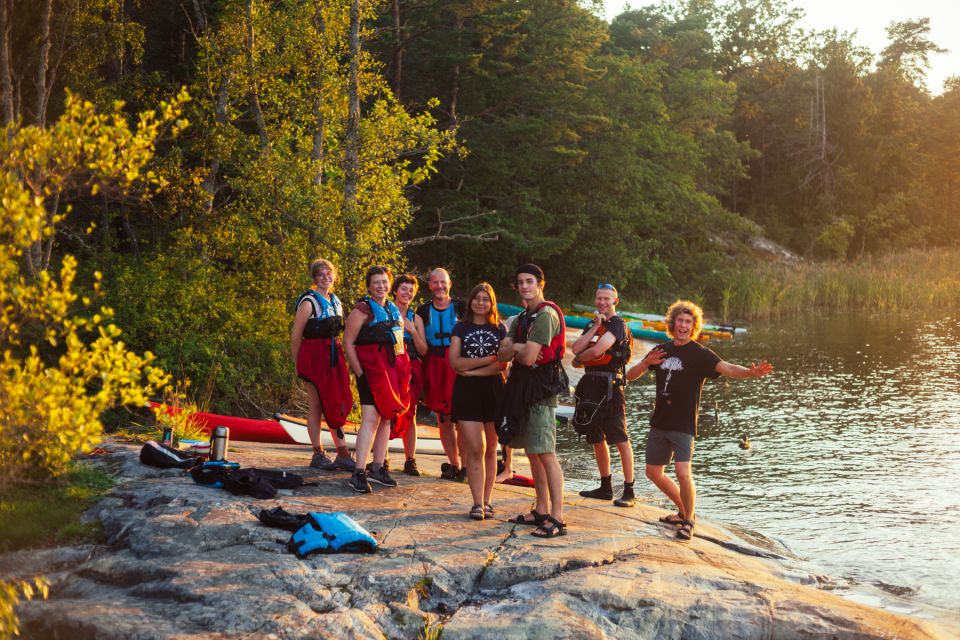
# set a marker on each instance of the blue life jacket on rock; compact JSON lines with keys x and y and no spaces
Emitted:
{"x":331,"y":533}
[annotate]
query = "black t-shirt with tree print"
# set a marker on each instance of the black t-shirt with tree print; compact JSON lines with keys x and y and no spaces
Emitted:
{"x":680,"y":380}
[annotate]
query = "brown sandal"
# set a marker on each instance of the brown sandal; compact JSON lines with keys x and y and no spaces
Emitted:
{"x":673,"y":518}
{"x":685,"y":532}
{"x":476,"y":513}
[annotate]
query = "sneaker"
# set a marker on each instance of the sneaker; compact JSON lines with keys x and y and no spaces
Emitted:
{"x":410,"y":467}
{"x":382,"y":476}
{"x":448,"y":471}
{"x":358,"y":482}
{"x":625,"y":500}
{"x":345,"y":463}
{"x":600,"y":493}
{"x":321,"y":461}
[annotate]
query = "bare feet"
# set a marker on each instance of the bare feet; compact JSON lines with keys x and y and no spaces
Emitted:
{"x":506,"y":475}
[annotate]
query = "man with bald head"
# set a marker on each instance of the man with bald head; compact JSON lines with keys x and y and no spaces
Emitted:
{"x":434,"y":322}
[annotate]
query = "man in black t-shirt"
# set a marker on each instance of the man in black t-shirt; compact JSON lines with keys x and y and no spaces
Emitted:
{"x":681,"y":367}
{"x":603,"y":351}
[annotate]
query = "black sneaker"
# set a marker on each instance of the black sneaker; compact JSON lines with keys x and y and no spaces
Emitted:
{"x":321,"y":461}
{"x":410,"y":467}
{"x":600,"y":493}
{"x":382,"y":476}
{"x":625,"y":500}
{"x":448,"y":471}
{"x":358,"y":482}
{"x":461,"y":475}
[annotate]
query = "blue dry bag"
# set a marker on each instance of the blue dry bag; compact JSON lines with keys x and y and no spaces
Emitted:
{"x":331,"y":533}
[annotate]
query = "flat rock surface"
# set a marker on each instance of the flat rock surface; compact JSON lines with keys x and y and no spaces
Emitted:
{"x":186,"y":561}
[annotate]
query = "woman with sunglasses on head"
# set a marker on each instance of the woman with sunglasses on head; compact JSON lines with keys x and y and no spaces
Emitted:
{"x":477,"y":391}
{"x":374,"y":346}
{"x":318,"y":358}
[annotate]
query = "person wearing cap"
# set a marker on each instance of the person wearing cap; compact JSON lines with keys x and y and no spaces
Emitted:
{"x":603,"y":350}
{"x":535,"y":345}
{"x":682,"y":365}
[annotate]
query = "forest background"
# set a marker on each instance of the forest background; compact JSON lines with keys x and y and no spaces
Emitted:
{"x":657,"y":151}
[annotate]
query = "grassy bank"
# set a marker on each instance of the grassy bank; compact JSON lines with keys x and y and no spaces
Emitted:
{"x":908,"y":281}
{"x":45,"y":513}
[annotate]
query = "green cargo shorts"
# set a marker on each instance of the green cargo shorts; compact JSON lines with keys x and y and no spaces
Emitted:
{"x":540,"y":433}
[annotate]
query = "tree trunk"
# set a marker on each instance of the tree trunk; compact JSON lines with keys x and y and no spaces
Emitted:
{"x":6,"y":76}
{"x":316,"y":152}
{"x":221,"y":114}
{"x":351,"y":159}
{"x":397,"y":52}
{"x":43,"y":61}
{"x":455,"y":79}
{"x":253,"y":93}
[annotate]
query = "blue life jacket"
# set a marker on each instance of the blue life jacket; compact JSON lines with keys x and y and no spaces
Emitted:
{"x":328,"y":323}
{"x":379,"y":329}
{"x":408,"y":337}
{"x":438,"y":324}
{"x":331,"y":533}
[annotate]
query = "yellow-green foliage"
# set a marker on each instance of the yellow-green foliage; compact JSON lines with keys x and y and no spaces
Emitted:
{"x":62,"y":362}
{"x":906,"y":281}
{"x":10,"y":594}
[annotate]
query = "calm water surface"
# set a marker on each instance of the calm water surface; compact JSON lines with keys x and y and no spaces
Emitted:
{"x":855,"y":458}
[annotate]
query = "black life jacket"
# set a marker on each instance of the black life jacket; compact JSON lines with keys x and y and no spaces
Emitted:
{"x":380,"y":328}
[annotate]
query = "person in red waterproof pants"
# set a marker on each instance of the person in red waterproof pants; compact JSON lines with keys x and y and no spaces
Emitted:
{"x":404,"y":291}
{"x":374,"y":346}
{"x":318,"y":358}
{"x":434,"y":322}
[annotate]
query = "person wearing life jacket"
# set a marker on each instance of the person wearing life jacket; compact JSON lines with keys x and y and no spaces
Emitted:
{"x":536,"y":345}
{"x":374,"y":346}
{"x":477,"y":393}
{"x":434,"y":322}
{"x":603,"y":350}
{"x":404,"y":290}
{"x":318,"y":358}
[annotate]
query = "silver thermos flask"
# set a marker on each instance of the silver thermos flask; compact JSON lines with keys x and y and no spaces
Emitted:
{"x":218,"y":443}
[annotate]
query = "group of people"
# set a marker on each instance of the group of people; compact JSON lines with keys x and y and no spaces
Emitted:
{"x":488,"y":379}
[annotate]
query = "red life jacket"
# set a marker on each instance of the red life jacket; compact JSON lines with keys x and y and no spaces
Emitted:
{"x":558,"y":344}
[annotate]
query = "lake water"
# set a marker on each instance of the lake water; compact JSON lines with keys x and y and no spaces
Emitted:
{"x":855,"y":458}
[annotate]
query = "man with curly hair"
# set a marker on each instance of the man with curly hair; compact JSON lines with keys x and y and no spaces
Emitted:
{"x":682,"y":365}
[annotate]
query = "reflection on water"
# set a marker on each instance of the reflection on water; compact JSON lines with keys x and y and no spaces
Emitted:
{"x":856,"y":448}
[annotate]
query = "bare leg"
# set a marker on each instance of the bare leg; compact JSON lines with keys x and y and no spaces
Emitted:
{"x":471,"y":442}
{"x":448,"y":438}
{"x":313,"y":416}
{"x":688,"y":489}
{"x":369,"y":421}
{"x":602,"y":453}
{"x":410,"y":440}
{"x":541,"y":492}
{"x":507,"y":463}
{"x":489,"y":460}
{"x":666,"y":484}
{"x":626,"y":459}
{"x":381,"y":441}
{"x":554,"y":473}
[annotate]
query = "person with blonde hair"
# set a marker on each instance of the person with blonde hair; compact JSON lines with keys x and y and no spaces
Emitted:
{"x":477,"y":392}
{"x":681,"y":365}
{"x":318,"y":358}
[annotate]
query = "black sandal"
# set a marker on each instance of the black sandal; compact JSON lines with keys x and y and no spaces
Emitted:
{"x":674,"y":519}
{"x":523,"y":518}
{"x":552,"y":528}
{"x":685,"y":532}
{"x":476,"y":513}
{"x":488,"y":510}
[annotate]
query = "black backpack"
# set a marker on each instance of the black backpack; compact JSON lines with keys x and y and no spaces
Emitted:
{"x":260,"y":483}
{"x":158,"y":455}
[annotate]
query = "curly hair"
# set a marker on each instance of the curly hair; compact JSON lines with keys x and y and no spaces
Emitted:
{"x":690,"y":308}
{"x":406,"y":278}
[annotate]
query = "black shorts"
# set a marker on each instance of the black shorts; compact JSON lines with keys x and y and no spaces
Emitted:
{"x":612,"y":426}
{"x":363,"y":390}
{"x":476,"y":399}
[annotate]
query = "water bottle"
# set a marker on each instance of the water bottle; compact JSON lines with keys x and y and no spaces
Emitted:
{"x":218,"y":443}
{"x":167,"y":439}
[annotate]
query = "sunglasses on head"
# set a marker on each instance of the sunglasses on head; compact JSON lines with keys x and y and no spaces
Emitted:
{"x":606,"y":285}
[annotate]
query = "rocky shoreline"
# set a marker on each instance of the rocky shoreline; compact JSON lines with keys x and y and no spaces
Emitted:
{"x":186,"y":561}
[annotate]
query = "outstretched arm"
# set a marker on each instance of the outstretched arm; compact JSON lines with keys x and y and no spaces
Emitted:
{"x":736,"y":371}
